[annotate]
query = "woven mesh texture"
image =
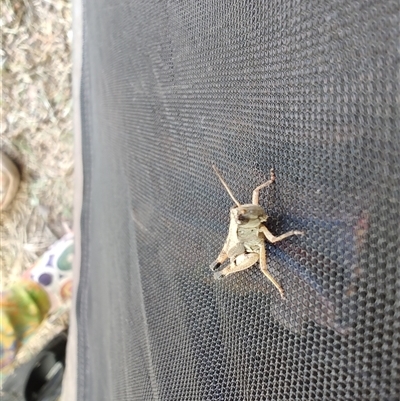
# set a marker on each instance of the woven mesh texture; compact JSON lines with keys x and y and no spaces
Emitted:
{"x":310,"y":88}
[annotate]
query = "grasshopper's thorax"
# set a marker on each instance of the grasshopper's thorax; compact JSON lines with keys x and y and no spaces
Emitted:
{"x":245,"y":221}
{"x":244,"y":227}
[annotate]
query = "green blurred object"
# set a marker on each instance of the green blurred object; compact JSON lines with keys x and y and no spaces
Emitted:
{"x":23,"y":307}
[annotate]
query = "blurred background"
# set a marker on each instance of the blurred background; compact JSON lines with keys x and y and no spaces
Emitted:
{"x":36,"y":128}
{"x":35,"y":225}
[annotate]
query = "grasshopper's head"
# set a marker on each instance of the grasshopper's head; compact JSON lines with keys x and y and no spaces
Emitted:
{"x":249,"y":214}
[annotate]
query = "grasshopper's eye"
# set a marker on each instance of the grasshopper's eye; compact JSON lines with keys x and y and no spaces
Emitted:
{"x":242,"y":217}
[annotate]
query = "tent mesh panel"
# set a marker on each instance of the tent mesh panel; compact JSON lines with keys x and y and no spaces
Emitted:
{"x":310,"y":88}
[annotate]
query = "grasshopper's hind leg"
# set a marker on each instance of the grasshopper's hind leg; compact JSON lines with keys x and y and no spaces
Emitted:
{"x":264,"y":269}
{"x":220,"y":259}
{"x":246,"y":260}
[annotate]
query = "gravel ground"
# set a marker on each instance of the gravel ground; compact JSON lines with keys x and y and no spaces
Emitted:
{"x":36,"y":128}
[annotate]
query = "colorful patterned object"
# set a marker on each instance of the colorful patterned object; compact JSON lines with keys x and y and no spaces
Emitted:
{"x":23,"y":307}
{"x":53,"y":270}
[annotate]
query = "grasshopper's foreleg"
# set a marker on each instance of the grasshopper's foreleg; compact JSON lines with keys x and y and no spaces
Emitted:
{"x":220,"y":259}
{"x":264,"y":269}
{"x":246,"y":260}
{"x":256,"y":192}
{"x":271,"y":238}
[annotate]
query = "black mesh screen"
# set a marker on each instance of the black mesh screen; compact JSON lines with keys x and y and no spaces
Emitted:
{"x":310,"y":88}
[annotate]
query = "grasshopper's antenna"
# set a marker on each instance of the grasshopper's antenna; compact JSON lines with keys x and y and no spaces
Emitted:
{"x":225,"y":185}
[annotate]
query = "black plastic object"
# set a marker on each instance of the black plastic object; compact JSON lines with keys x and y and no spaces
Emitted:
{"x":40,"y":379}
{"x":170,"y":88}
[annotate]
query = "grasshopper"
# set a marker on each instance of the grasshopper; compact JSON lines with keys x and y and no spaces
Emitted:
{"x":245,"y":244}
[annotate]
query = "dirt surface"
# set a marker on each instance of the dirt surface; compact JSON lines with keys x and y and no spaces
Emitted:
{"x":36,"y":128}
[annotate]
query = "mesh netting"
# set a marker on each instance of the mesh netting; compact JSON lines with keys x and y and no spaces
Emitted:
{"x":171,"y":88}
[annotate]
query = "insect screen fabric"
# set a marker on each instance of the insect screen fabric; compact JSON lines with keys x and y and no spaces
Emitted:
{"x":170,"y":88}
